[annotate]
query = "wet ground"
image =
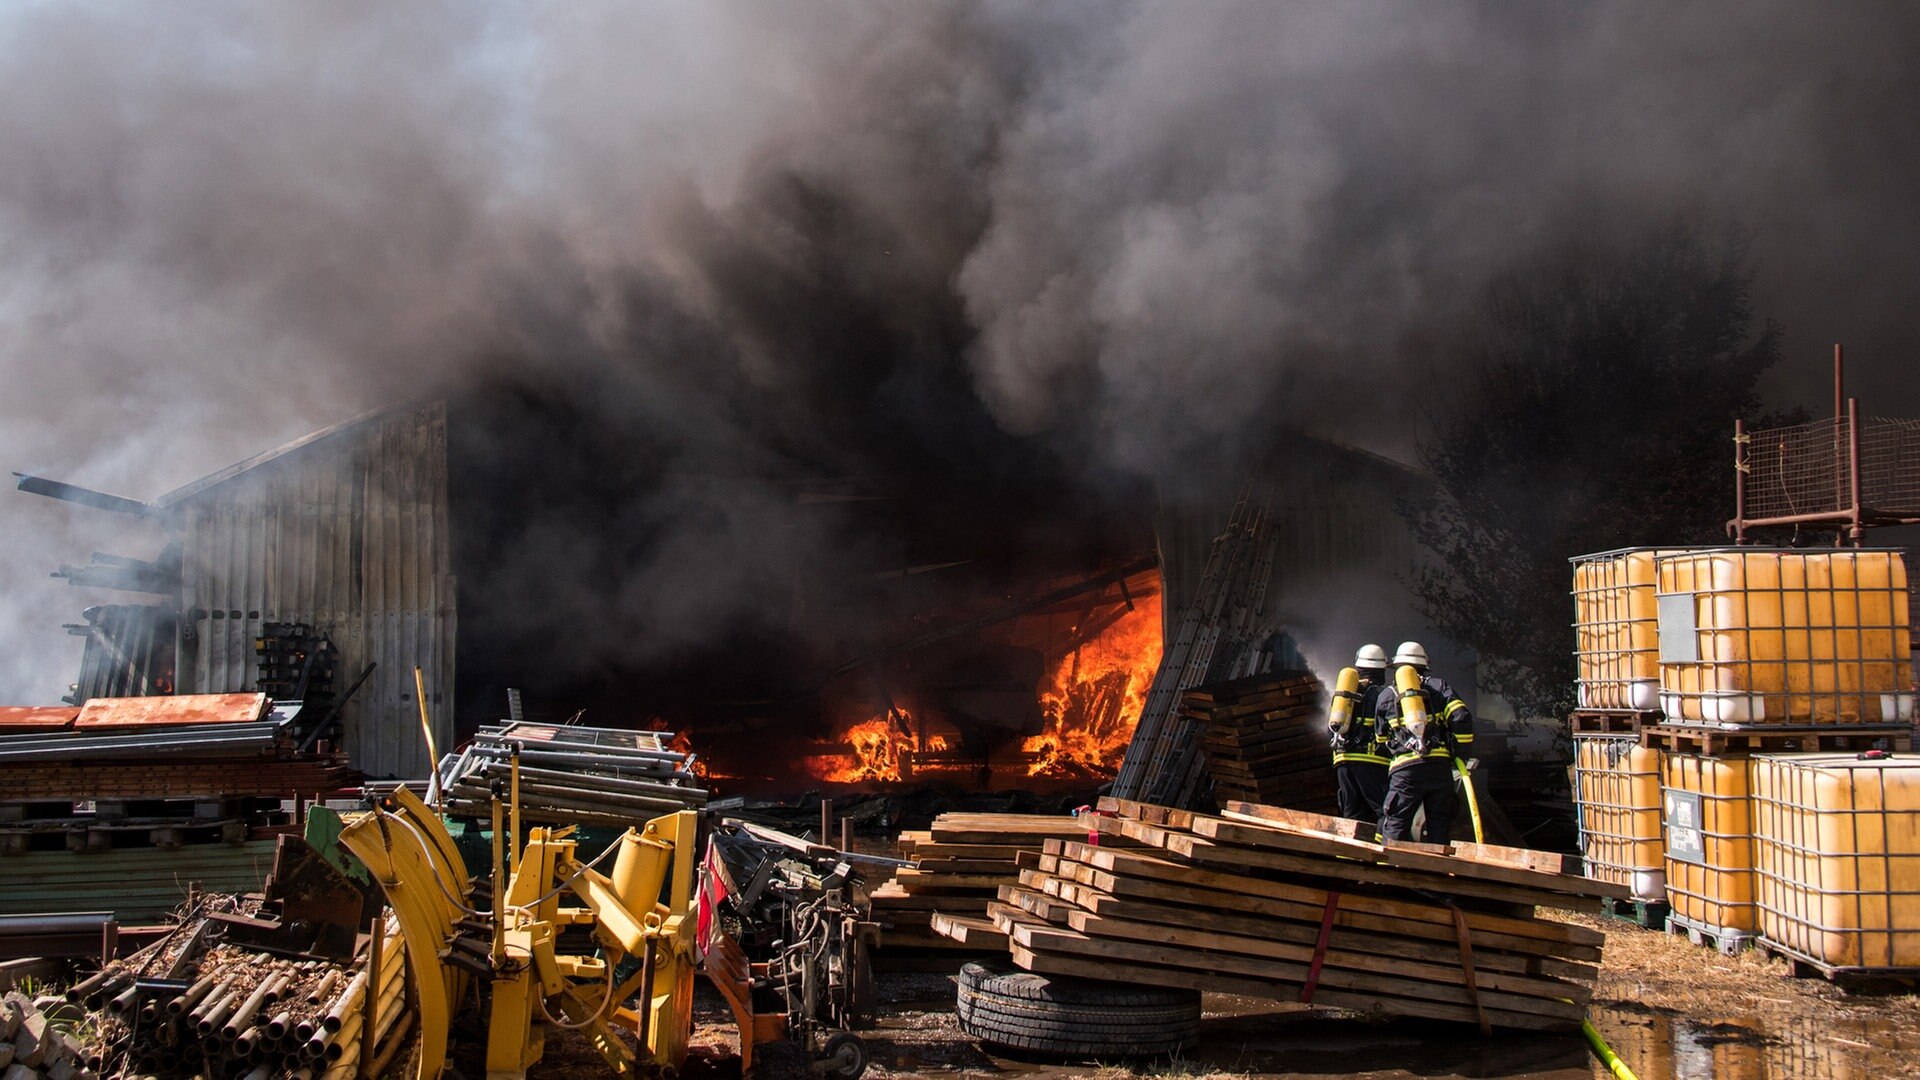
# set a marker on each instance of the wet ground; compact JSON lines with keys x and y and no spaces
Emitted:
{"x":1669,"y":1008}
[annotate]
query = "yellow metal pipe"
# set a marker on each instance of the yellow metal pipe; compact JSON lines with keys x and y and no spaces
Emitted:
{"x":433,"y":747}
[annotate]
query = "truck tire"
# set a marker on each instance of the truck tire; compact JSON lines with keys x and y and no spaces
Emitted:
{"x":1075,"y":1017}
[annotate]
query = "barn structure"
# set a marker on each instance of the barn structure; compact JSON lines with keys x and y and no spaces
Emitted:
{"x":319,"y":571}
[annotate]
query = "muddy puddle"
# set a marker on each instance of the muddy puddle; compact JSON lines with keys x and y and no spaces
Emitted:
{"x":1658,"y":1044}
{"x":1243,"y":1038}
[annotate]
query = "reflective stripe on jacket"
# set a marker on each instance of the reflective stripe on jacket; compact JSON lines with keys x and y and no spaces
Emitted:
{"x":1449,"y":725}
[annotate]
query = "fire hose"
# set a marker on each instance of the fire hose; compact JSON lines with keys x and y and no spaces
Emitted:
{"x":1473,"y":800}
{"x":1605,"y":1053}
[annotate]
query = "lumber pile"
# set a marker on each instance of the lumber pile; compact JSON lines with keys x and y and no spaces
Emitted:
{"x":1266,"y":740}
{"x":1268,"y":902}
{"x":960,"y":863}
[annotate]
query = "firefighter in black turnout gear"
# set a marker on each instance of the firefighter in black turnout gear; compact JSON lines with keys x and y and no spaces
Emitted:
{"x":1359,"y":758}
{"x":1423,"y":738}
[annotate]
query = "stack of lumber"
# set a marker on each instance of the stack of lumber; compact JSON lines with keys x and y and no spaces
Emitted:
{"x":1273,"y":903}
{"x":960,"y":864}
{"x":1266,"y":740}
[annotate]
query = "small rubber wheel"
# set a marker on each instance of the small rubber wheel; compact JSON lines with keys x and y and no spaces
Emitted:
{"x":845,"y":1056}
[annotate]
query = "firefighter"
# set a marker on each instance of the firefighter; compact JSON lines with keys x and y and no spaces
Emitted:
{"x":1425,"y":727}
{"x":1359,"y":759}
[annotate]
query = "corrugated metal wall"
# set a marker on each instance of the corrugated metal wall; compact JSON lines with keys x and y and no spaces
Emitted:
{"x":137,"y":884}
{"x":347,"y":532}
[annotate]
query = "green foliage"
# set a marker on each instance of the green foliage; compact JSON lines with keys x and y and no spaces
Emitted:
{"x":1598,"y":414}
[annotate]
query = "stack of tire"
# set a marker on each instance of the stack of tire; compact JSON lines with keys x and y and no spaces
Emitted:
{"x":1040,"y":1014}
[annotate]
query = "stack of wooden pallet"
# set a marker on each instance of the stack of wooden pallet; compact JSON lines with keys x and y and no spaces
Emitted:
{"x":1273,"y":903}
{"x":1266,"y":740}
{"x":960,"y":864}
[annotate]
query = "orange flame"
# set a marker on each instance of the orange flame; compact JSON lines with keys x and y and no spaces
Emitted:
{"x":879,"y":746}
{"x":1094,"y":696}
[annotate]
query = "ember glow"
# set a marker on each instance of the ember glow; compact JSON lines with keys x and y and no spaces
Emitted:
{"x":1094,"y":695}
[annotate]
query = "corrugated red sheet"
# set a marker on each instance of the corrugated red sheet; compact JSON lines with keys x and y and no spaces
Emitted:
{"x":33,"y":719}
{"x":178,"y":709}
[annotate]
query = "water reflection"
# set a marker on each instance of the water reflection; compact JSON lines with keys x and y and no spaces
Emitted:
{"x":1657,"y":1044}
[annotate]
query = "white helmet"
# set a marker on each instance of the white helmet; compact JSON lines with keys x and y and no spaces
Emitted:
{"x":1410,"y":652}
{"x":1370,"y":656}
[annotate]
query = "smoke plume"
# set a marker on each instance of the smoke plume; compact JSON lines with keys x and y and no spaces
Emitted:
{"x":988,"y":248}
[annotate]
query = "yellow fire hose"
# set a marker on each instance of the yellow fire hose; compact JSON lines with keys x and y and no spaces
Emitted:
{"x":1605,"y":1053}
{"x":1473,"y":800}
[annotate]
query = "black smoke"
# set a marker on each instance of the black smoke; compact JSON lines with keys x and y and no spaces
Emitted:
{"x":990,"y":255}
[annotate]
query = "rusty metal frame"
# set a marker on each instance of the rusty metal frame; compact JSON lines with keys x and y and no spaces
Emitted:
{"x":1851,"y":517}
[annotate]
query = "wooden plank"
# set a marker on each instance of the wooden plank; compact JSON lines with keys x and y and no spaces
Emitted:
{"x":972,"y":932}
{"x":1309,"y":843}
{"x":1258,"y":813}
{"x":1441,"y":970}
{"x":915,"y":881}
{"x":1411,"y":859}
{"x":1084,"y":885}
{"x":967,"y":866}
{"x":1048,"y":939}
{"x":1140,"y":865}
{"x":1201,"y":850}
{"x":1381,"y":937}
{"x":1149,"y":975}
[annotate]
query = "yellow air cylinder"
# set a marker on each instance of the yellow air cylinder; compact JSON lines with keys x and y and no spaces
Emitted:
{"x":1616,"y":629}
{"x":1617,"y":787}
{"x":1709,"y":841}
{"x":1413,"y":705}
{"x":1837,"y":857}
{"x":1346,"y":691}
{"x":1752,"y":636}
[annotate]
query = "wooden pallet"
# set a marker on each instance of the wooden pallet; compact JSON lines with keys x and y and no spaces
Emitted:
{"x":1865,"y":979}
{"x":1184,"y":911}
{"x":130,"y":780}
{"x":1649,"y":914}
{"x":1610,"y":721}
{"x":1718,"y":938}
{"x":1776,"y":739}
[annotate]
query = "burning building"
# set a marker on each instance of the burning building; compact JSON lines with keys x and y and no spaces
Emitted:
{"x":980,"y":637}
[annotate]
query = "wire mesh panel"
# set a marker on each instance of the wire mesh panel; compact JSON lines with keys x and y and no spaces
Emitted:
{"x":1807,"y":469}
{"x":1890,"y":465}
{"x":1798,"y":470}
{"x":1616,"y":631}
{"x":1837,"y":858}
{"x":1751,"y":635}
{"x":1617,"y":785}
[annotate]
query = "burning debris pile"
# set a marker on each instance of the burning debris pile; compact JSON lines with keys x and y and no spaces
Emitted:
{"x":1096,"y":664}
{"x":1095,"y":693}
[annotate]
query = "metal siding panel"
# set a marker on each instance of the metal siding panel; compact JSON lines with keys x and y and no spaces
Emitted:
{"x":285,"y":539}
{"x":139,"y":885}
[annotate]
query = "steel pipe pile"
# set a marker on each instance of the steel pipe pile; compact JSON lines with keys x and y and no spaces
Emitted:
{"x":235,"y":1012}
{"x":572,"y":775}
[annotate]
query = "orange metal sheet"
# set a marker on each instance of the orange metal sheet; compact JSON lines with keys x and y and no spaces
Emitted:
{"x":32,"y":719}
{"x":178,"y":709}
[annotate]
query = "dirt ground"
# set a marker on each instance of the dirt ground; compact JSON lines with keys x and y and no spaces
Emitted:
{"x":1669,"y":1008}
